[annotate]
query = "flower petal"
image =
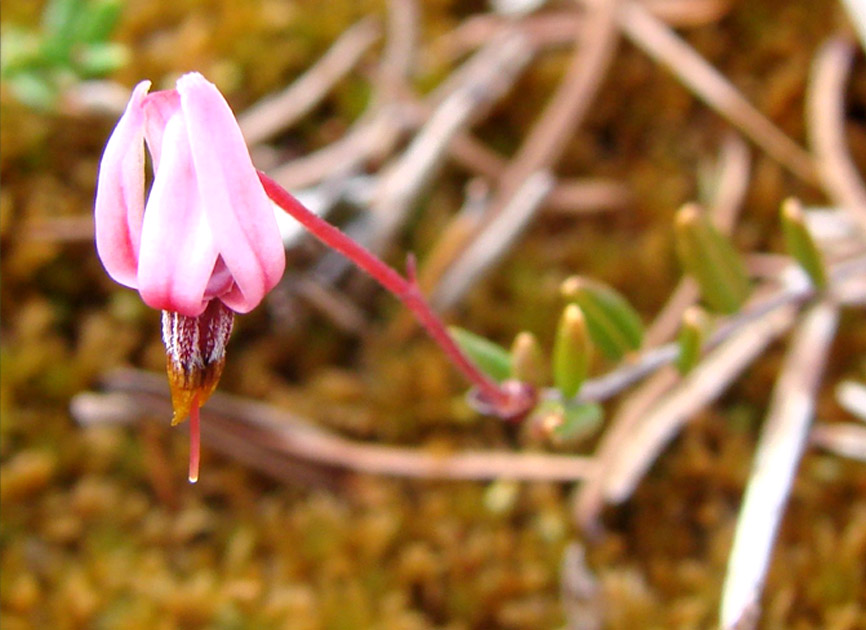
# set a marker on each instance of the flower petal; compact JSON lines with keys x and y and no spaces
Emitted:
{"x":177,"y":250}
{"x":159,"y":107}
{"x":221,"y":281}
{"x":119,"y":201}
{"x":239,"y":212}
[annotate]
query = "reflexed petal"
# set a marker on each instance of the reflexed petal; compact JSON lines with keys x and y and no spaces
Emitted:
{"x":120,"y":193}
{"x":177,"y":249}
{"x":239,"y":212}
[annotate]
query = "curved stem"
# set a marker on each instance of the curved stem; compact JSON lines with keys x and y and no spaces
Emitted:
{"x":406,"y":290}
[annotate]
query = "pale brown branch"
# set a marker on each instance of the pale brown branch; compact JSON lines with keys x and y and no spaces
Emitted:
{"x":278,"y":112}
{"x":846,"y":439}
{"x":492,"y":242}
{"x":587,"y":195}
{"x":543,"y":29}
{"x":477,"y":156}
{"x":663,"y":45}
{"x":688,"y":12}
{"x":783,"y":438}
{"x":826,"y":118}
{"x":852,"y":397}
{"x":340,"y":310}
{"x":370,"y":135}
{"x":547,"y":138}
{"x":398,"y":58}
{"x":566,"y":109}
{"x":556,"y":28}
{"x":455,"y":235}
{"x":569,"y":196}
{"x":701,"y":386}
{"x":669,"y":319}
{"x":267,"y":435}
{"x":589,"y":498}
{"x":486,"y":77}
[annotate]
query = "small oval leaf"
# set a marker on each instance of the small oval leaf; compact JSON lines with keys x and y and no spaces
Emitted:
{"x":800,"y":244}
{"x":580,"y":420}
{"x":527,"y":361}
{"x":711,"y":260}
{"x":613,"y":323}
{"x":691,"y":339}
{"x":491,"y":358}
{"x":571,"y":352}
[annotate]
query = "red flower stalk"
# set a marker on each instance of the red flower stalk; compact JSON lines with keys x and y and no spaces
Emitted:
{"x":508,"y":401}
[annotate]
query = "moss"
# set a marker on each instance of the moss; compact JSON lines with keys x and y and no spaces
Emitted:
{"x":99,"y":529}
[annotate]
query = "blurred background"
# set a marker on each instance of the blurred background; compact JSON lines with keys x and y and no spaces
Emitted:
{"x":416,"y":126}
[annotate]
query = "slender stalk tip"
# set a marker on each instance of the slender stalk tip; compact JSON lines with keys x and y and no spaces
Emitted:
{"x":194,"y":441}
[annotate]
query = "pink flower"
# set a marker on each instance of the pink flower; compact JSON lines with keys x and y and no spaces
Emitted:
{"x":207,"y":229}
{"x":206,"y":242}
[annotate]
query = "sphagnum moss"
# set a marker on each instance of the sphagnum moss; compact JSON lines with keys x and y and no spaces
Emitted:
{"x":87,"y":542}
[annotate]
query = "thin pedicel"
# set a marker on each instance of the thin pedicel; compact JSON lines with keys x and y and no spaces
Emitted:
{"x":504,"y":401}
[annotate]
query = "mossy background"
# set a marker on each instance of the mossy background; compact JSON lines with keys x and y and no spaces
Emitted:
{"x":99,"y":527}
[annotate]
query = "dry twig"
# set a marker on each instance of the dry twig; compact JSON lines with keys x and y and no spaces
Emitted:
{"x":488,"y":75}
{"x":549,"y":135}
{"x":857,"y":12}
{"x":826,"y":117}
{"x":660,"y":43}
{"x":278,"y":112}
{"x":852,"y":396}
{"x":846,"y":439}
{"x":589,"y":498}
{"x":566,"y":109}
{"x":706,"y":382}
{"x":688,"y":12}
{"x":373,"y":133}
{"x":557,"y":27}
{"x":492,"y":243}
{"x":272,"y":438}
{"x":780,"y":448}
{"x":398,"y":59}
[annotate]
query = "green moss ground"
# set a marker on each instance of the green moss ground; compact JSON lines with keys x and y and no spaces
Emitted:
{"x":99,"y":528}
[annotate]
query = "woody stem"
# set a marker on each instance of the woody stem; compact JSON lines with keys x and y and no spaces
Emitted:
{"x":406,"y":290}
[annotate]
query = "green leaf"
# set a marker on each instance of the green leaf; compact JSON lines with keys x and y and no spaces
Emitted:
{"x":571,"y":352}
{"x":711,"y":260}
{"x":19,"y":51}
{"x":491,"y":358}
{"x":527,"y":361}
{"x":60,"y":15}
{"x":99,"y":21}
{"x":799,"y":243}
{"x":97,"y":60}
{"x":613,"y":324}
{"x":34,"y":89}
{"x":579,"y":421}
{"x":690,"y":339}
{"x":59,"y":21}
